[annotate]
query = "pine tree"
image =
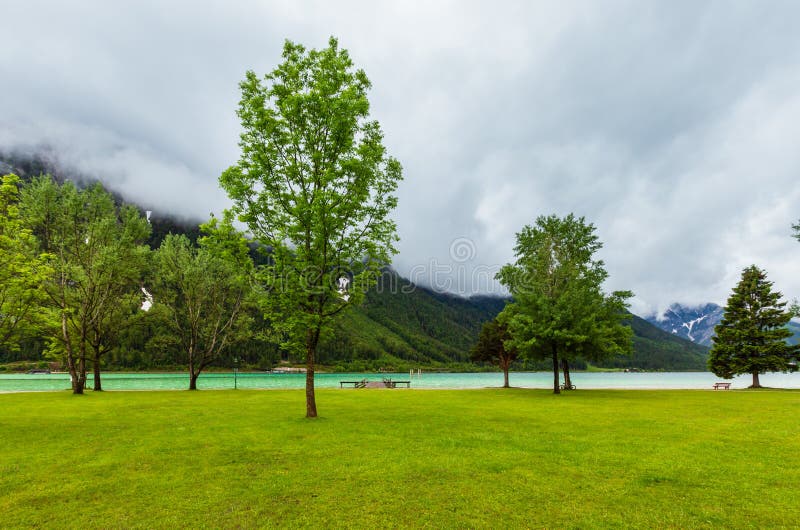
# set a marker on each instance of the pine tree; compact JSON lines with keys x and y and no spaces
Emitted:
{"x":750,"y":339}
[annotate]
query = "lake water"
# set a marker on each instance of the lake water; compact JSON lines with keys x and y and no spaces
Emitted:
{"x":178,"y":381}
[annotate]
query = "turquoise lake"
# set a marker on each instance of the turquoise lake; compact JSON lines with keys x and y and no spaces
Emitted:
{"x":178,"y":381}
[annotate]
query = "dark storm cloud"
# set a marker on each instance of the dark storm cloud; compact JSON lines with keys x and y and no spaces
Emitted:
{"x":671,"y":126}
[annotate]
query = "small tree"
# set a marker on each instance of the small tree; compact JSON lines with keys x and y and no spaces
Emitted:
{"x":559,"y":306}
{"x":751,"y":337}
{"x":98,"y":260}
{"x":491,"y":348}
{"x":315,"y":185}
{"x":23,"y":269}
{"x":202,"y":293}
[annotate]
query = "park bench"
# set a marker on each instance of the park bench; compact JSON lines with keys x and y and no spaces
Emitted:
{"x":356,"y":384}
{"x":723,"y":386}
{"x":387,"y":383}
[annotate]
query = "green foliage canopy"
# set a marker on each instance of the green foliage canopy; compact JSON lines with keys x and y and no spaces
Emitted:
{"x":99,"y":259}
{"x":491,"y":347}
{"x":315,"y":185}
{"x":22,"y":270}
{"x":559,"y":306}
{"x":202,"y":294}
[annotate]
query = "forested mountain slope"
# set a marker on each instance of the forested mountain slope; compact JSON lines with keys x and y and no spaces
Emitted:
{"x":401,"y":321}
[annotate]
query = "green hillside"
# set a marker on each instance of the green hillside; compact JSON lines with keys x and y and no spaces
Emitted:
{"x":402,"y":325}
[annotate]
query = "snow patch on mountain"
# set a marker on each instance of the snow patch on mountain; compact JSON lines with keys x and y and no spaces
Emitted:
{"x":692,"y":323}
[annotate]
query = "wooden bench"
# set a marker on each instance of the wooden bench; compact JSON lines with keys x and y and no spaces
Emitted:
{"x":388,"y":383}
{"x":723,"y":386}
{"x":356,"y":384}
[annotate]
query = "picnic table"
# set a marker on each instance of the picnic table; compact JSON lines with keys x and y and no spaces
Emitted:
{"x":723,"y":386}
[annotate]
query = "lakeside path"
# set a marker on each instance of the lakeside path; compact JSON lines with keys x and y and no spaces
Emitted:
{"x":443,"y":458}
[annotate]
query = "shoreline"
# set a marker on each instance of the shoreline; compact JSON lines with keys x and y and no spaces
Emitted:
{"x":155,"y":381}
{"x":89,"y":391}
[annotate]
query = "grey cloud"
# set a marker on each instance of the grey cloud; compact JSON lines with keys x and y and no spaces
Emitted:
{"x":670,"y":126}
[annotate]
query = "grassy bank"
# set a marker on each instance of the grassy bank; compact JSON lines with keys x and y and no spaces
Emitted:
{"x":488,"y":458}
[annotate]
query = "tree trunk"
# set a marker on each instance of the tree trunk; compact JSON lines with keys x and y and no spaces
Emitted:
{"x":77,"y":374}
{"x":505,"y":375}
{"x":311,"y":352}
{"x":567,"y":378}
{"x":755,"y":384}
{"x":556,"y":381}
{"x":77,"y":378}
{"x":311,"y":399}
{"x":74,"y":375}
{"x":97,"y":385}
{"x":192,"y":373}
{"x":79,"y":382}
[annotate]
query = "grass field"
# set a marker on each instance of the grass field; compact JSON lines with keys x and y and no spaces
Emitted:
{"x":470,"y":458}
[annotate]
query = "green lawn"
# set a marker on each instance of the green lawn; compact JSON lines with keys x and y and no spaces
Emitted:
{"x":470,"y":458}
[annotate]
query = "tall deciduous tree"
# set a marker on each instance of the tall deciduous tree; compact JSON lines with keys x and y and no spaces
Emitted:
{"x":22,"y":269}
{"x":751,"y":337}
{"x":98,"y":259}
{"x":202,"y":293}
{"x":315,"y":185}
{"x":559,"y":306}
{"x":491,"y":347}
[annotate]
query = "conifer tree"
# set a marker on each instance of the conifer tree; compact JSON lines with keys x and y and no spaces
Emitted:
{"x":751,"y":338}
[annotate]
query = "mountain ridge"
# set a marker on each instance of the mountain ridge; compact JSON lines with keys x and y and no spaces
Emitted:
{"x":697,"y":323}
{"x":693,"y":323}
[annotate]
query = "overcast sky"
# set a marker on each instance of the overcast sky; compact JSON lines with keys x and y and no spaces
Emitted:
{"x":672,"y":126}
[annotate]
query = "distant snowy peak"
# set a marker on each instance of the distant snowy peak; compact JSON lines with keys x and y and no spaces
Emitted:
{"x":692,"y":323}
